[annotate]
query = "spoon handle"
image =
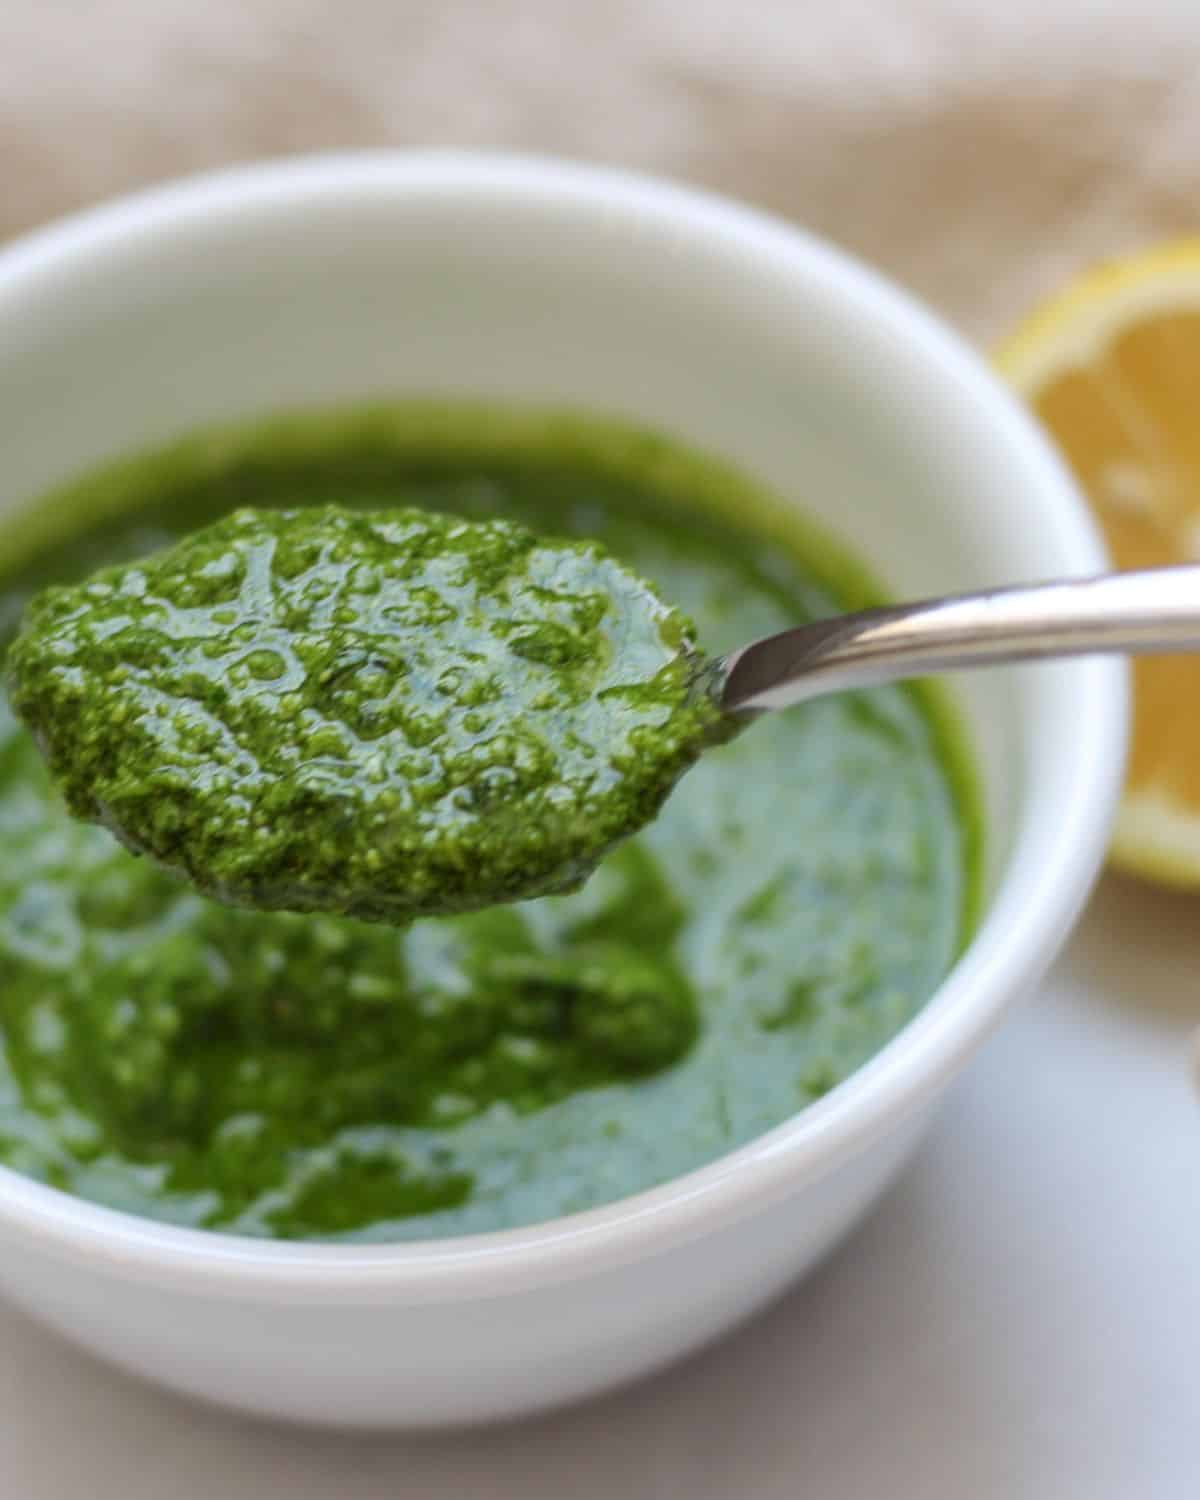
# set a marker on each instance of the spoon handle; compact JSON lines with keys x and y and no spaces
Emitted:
{"x":1157,"y":610}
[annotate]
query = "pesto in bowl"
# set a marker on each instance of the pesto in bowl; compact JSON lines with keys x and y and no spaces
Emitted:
{"x":800,"y":895}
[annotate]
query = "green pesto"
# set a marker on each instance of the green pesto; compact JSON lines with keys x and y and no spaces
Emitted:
{"x":800,"y":895}
{"x":382,"y":714}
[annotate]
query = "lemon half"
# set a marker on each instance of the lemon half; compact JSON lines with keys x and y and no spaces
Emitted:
{"x":1112,"y":368}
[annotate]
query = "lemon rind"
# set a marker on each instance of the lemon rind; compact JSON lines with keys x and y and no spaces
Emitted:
{"x":1157,"y":838}
{"x":1076,"y":326}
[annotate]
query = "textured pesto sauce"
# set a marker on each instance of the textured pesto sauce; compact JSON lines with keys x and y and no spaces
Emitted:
{"x":801,"y":894}
{"x":384,"y":714}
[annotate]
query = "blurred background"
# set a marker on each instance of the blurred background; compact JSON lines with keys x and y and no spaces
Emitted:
{"x":980,"y":152}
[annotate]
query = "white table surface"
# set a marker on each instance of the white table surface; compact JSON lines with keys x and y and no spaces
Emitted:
{"x":1020,"y":1320}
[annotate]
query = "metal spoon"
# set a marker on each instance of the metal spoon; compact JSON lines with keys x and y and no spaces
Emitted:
{"x":1157,"y":610}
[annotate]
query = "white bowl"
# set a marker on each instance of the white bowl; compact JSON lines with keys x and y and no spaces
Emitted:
{"x":436,"y":273}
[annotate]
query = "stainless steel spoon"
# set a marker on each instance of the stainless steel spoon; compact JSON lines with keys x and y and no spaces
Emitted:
{"x":1157,"y":610}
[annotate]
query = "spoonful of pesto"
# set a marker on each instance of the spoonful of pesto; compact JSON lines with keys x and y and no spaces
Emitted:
{"x":399,"y":714}
{"x":388,"y":714}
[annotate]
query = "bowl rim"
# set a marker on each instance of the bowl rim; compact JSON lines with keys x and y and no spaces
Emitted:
{"x":1011,"y":946}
